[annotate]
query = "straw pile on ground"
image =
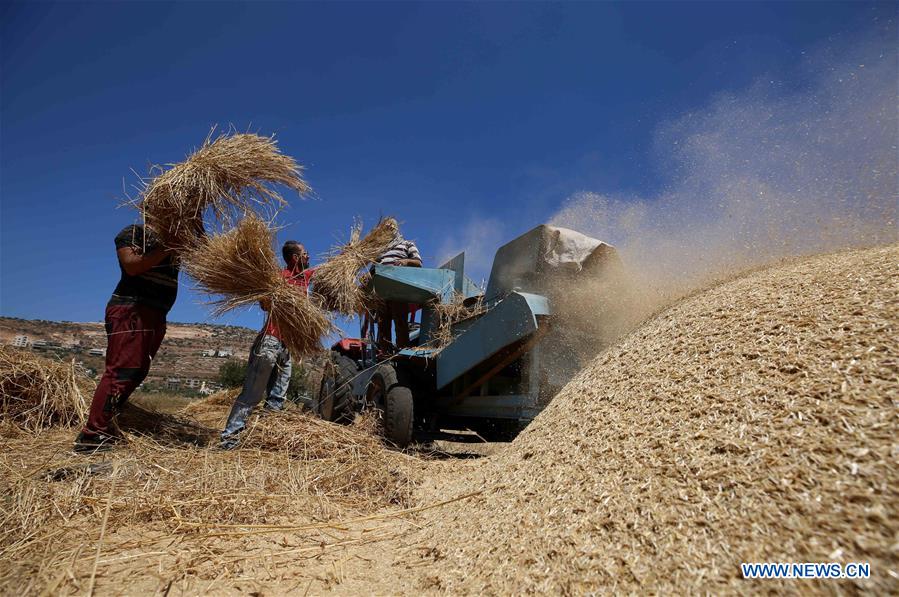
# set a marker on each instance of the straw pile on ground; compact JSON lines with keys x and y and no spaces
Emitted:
{"x":754,"y":422}
{"x":227,"y":177}
{"x":240,"y":267}
{"x":214,"y":401}
{"x":156,"y":514}
{"x":172,"y":428}
{"x":337,"y":279}
{"x":37,"y":393}
{"x":354,"y":455}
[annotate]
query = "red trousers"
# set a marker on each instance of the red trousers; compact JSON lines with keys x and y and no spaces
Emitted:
{"x":133,"y":335}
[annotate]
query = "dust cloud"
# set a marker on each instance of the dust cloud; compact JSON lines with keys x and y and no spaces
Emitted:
{"x":757,"y":176}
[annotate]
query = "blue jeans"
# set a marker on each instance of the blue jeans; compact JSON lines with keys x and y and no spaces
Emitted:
{"x":268,"y":374}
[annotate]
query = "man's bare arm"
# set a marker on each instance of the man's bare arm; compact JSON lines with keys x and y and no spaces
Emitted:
{"x":135,"y":263}
{"x":409,"y":262}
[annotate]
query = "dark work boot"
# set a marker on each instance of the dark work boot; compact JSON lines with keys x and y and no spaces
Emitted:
{"x":91,"y":443}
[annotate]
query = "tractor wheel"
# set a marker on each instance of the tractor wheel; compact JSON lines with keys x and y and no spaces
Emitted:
{"x":395,"y":403}
{"x":398,"y":416}
{"x":334,"y":401}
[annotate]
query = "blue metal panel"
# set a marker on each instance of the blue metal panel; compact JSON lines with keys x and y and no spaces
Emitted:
{"x":508,"y":321}
{"x":457,"y":264}
{"x":412,"y":284}
{"x":462,"y":284}
{"x":428,"y":324}
{"x":470,"y":289}
{"x":417,"y":352}
{"x":518,"y":264}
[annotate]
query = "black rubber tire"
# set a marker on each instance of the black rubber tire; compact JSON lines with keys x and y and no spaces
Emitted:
{"x":398,"y":416}
{"x":334,"y":401}
{"x":380,"y":383}
{"x":395,"y":402}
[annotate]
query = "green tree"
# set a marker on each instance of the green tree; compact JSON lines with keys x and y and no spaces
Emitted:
{"x":232,"y":373}
{"x":297,"y":391}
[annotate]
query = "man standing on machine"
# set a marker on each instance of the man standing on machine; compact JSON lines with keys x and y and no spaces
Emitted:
{"x":404,"y":253}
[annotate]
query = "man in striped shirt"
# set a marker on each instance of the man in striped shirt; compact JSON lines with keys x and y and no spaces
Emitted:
{"x":402,"y":253}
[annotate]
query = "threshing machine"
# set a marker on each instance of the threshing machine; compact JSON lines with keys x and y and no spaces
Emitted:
{"x":501,"y":366}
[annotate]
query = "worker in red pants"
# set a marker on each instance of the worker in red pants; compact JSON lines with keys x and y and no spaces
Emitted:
{"x":135,"y":327}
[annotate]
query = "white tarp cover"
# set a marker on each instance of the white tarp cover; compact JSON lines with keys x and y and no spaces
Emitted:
{"x":567,"y":249}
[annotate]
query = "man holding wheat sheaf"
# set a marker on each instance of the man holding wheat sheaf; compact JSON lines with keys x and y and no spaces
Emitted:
{"x":135,"y":326}
{"x":228,"y":176}
{"x":269,"y":366}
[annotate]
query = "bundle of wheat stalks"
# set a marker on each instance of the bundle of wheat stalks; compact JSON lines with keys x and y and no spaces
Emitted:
{"x":227,"y":177}
{"x":37,"y":393}
{"x":369,"y":302}
{"x":230,"y":178}
{"x":451,"y":313}
{"x":240,"y":266}
{"x":337,"y":280}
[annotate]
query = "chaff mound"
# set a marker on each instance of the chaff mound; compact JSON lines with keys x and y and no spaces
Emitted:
{"x":227,"y":177}
{"x":754,"y":422}
{"x":36,"y":392}
{"x":337,"y":279}
{"x":240,"y":267}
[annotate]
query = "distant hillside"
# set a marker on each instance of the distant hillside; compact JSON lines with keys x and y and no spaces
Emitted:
{"x":181,"y":354}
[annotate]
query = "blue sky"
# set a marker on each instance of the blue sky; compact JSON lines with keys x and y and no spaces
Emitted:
{"x":469,"y":122}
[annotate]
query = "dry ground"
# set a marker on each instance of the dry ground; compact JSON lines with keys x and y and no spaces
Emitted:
{"x":291,"y":511}
{"x":754,"y":421}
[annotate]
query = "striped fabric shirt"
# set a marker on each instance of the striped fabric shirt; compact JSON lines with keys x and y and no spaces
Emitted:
{"x":399,"y":250}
